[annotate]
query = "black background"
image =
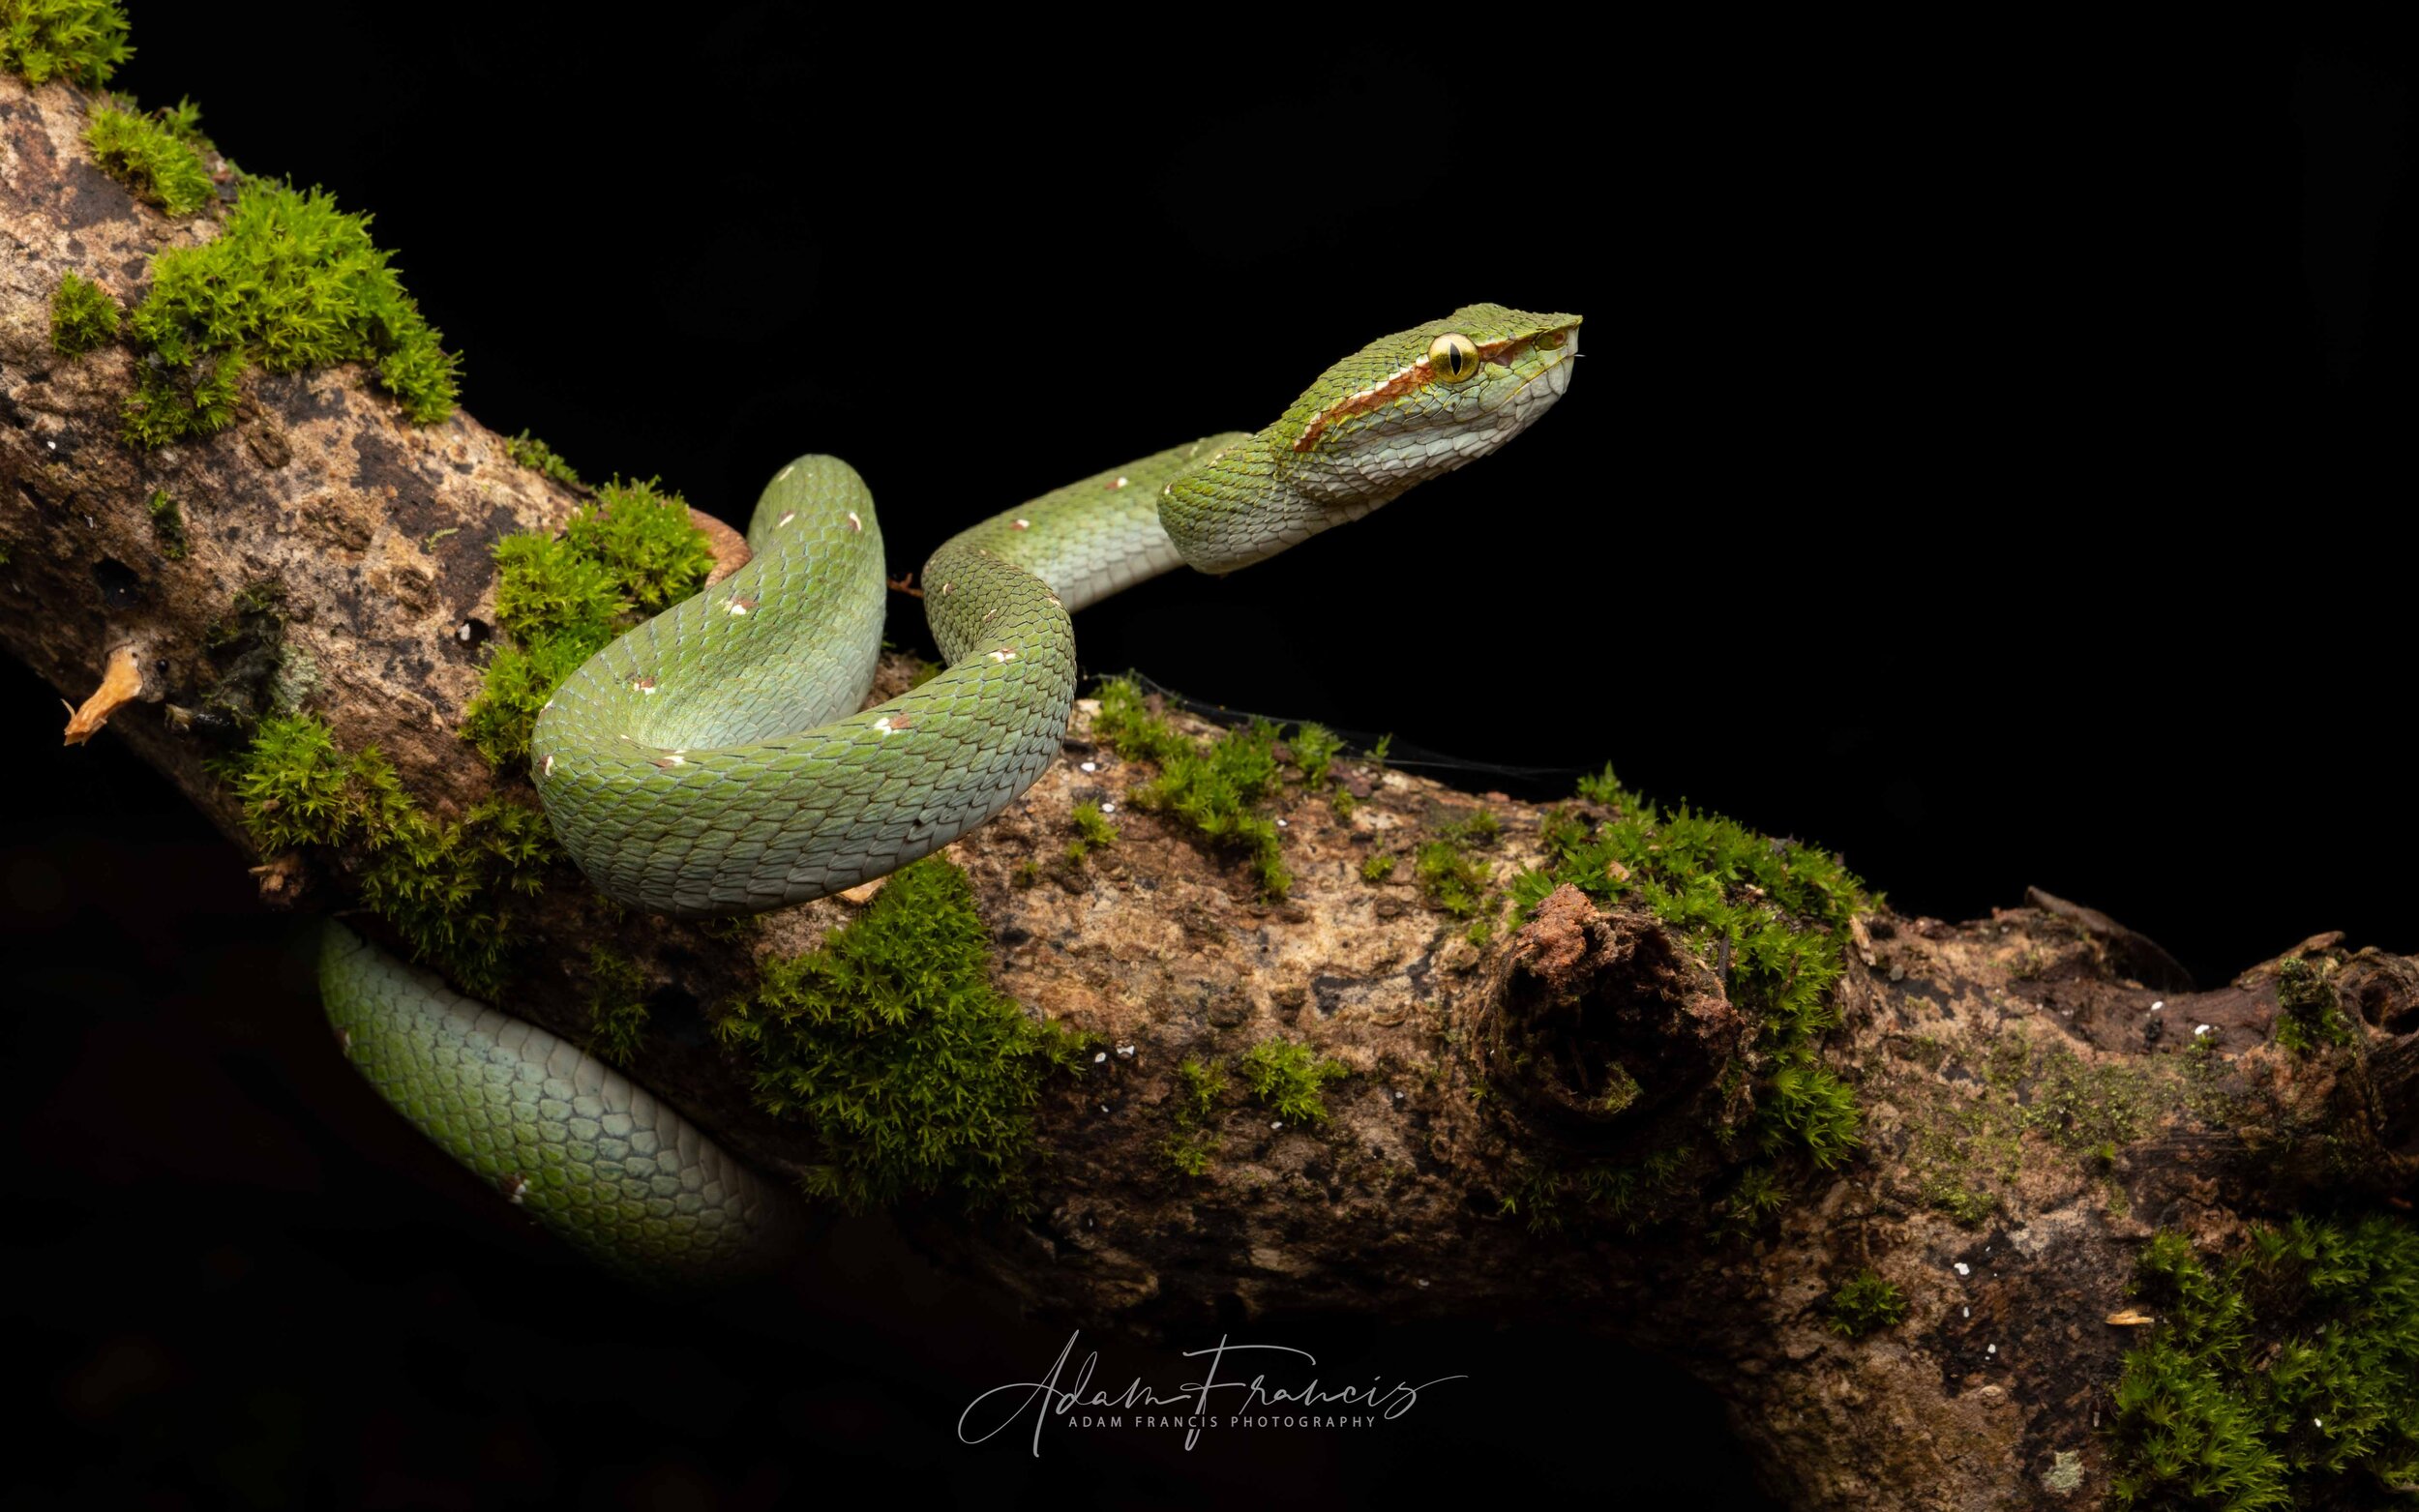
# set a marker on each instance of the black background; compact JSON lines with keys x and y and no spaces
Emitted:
{"x":1992,"y":462}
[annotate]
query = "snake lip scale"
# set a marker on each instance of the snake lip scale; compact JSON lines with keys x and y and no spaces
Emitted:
{"x":715,"y":761}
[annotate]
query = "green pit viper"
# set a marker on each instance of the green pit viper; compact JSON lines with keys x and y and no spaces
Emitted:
{"x":714,"y":760}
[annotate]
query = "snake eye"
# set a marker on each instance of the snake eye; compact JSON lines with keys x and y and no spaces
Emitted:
{"x":1452,"y":357}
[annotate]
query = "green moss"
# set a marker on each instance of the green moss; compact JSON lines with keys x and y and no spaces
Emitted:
{"x":80,"y":41}
{"x":1536,"y":1192}
{"x":82,"y":315}
{"x":1288,"y":1079}
{"x":502,"y":718}
{"x":1215,"y":788}
{"x":1190,"y":1151}
{"x":1974,"y":1127}
{"x":1094,"y":825}
{"x":913,"y":1072}
{"x":264,"y":597}
{"x":564,"y":598}
{"x":1478,"y":827}
{"x":548,"y":591}
{"x":1634,"y":1194}
{"x":447,"y":889}
{"x":2307,"y":1013}
{"x":1771,"y":915}
{"x":1756,"y":1195}
{"x":2211,"y":1091}
{"x":183,"y":121}
{"x":1315,"y":748}
{"x":644,"y":539}
{"x":538,"y":457}
{"x":1807,"y":1108}
{"x":1604,"y":788}
{"x":1864,"y":1303}
{"x":1966,"y":1203}
{"x":1667,"y":1182}
{"x":293,"y":787}
{"x":1378,"y":868}
{"x":1972,"y":1147}
{"x":2285,"y":1374}
{"x":1620,"y":1090}
{"x":1200,"y":1085}
{"x":170,"y":403}
{"x":153,"y":158}
{"x":1456,"y":882}
{"x":1452,"y":878}
{"x":2088,"y":1108}
{"x":168,"y":523}
{"x":289,"y":283}
{"x":617,"y":1009}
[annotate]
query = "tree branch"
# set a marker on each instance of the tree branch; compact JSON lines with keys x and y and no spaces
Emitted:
{"x":1554,"y":1122}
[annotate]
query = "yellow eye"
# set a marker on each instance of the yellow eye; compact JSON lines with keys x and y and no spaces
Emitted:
{"x":1452,"y":357}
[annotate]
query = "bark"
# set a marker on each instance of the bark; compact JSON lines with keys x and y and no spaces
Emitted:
{"x":1979,"y":1049}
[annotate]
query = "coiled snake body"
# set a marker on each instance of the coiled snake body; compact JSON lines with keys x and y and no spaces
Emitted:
{"x":714,"y":760}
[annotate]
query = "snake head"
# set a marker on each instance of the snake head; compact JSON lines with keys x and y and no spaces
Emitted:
{"x":1403,"y":410}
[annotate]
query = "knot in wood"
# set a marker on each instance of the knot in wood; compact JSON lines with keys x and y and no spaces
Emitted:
{"x":1601,"y":1027}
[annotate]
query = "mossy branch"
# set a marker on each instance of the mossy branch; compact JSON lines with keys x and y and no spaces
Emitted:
{"x":1288,"y":1102}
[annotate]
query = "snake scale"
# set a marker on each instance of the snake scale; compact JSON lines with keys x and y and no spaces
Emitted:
{"x":714,"y":760}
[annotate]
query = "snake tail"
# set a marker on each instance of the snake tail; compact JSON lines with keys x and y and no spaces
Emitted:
{"x":590,"y":1154}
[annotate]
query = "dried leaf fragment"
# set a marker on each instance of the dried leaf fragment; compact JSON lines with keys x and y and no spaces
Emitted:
{"x":730,"y":548}
{"x":2132,"y":1318}
{"x":281,"y":878}
{"x":121,"y":682}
